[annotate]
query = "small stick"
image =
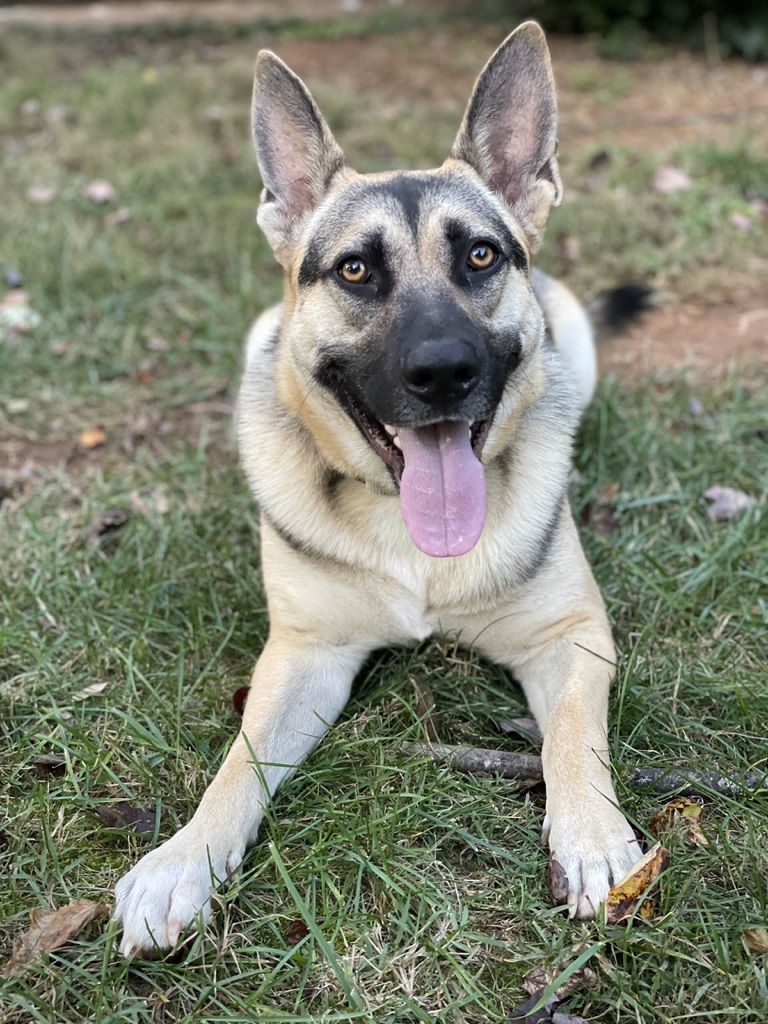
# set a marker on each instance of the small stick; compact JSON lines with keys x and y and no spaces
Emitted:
{"x":688,"y":783}
{"x":481,"y":762}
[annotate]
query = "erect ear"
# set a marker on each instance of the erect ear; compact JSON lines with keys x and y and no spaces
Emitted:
{"x":509,"y":131}
{"x":297,"y":154}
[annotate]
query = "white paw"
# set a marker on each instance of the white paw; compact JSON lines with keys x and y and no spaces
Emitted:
{"x":167,"y":889}
{"x":591,"y":850}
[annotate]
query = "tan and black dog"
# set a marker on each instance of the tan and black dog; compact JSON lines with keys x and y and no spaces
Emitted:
{"x":405,"y":421}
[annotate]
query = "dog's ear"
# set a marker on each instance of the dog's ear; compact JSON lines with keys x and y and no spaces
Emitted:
{"x":297,"y":154}
{"x":509,"y":131}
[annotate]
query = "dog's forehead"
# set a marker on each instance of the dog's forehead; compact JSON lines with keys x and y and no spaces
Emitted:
{"x":404,"y":205}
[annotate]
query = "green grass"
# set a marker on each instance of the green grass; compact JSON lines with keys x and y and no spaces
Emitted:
{"x":381,"y":889}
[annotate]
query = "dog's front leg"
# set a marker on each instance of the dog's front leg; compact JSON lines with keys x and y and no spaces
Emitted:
{"x":299,"y":687}
{"x":591,"y":844}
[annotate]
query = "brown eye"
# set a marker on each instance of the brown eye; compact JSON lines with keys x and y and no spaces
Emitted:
{"x":481,"y":256}
{"x":353,"y":271}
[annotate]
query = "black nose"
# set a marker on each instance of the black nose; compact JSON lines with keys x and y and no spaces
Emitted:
{"x":437,"y":371}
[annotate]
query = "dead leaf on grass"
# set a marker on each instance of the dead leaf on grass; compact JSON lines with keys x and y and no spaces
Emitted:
{"x":109,"y":521}
{"x":100,"y":192}
{"x":295,"y":931}
{"x":117,"y":217}
{"x":93,"y":437}
{"x":624,"y":899}
{"x":48,"y":764}
{"x":600,"y":518}
{"x":681,"y":812}
{"x":140,"y":820}
{"x":755,"y":939}
{"x":667,"y":180}
{"x":41,"y":195}
{"x":524,"y":727}
{"x":727,"y":503}
{"x":50,"y":929}
{"x":538,"y":981}
{"x":91,"y":691}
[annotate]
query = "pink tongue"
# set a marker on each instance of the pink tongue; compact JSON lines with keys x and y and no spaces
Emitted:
{"x":442,"y":492}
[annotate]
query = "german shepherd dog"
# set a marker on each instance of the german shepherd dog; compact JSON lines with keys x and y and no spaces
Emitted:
{"x":405,"y":422}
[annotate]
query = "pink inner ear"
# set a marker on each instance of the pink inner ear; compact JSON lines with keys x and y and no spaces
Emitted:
{"x":515,"y":141}
{"x":291,"y":159}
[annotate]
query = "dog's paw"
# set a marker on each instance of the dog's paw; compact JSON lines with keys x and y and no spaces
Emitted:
{"x":590,"y":852}
{"x":169,"y":887}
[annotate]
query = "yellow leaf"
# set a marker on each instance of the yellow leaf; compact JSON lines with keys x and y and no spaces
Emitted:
{"x":624,"y":898}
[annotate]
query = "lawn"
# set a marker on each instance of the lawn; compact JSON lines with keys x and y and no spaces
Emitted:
{"x":383,"y":888}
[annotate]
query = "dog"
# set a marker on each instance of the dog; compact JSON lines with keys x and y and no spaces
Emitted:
{"x":405,"y":421}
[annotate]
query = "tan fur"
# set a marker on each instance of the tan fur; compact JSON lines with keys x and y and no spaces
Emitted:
{"x":342,"y":575}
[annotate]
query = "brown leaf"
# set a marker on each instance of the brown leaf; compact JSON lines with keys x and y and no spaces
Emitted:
{"x":93,"y":437}
{"x":755,"y":939}
{"x":139,"y":820}
{"x":110,"y":520}
{"x":727,"y":503}
{"x":239,"y":698}
{"x":600,"y":518}
{"x":50,"y":929}
{"x":624,"y":898}
{"x":681,"y":812}
{"x":609,"y":493}
{"x":48,"y":764}
{"x":295,"y":931}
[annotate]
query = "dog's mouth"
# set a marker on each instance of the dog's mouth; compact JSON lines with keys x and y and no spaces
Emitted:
{"x":439,"y":472}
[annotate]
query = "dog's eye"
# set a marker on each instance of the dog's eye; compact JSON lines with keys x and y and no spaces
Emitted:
{"x":353,"y":271}
{"x":481,"y":256}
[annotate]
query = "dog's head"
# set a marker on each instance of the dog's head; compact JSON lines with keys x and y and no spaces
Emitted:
{"x":409,"y":318}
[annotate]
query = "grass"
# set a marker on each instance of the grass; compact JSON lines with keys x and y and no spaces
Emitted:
{"x":381,"y":889}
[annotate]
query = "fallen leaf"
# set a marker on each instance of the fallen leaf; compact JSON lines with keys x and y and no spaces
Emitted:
{"x":525,"y":727}
{"x":50,"y":929}
{"x":139,"y":820}
{"x":536,"y":984}
{"x":100,"y":192}
{"x":117,"y":217}
{"x":295,"y":931}
{"x":624,"y":898}
{"x":41,"y":195}
{"x":16,"y":316}
{"x":727,"y":503}
{"x":48,"y":764}
{"x":239,"y":698}
{"x":93,"y":437}
{"x":669,"y":180}
{"x":755,"y":939}
{"x":677,"y":812}
{"x":109,"y":521}
{"x":91,"y":691}
{"x":609,"y":493}
{"x":740,"y":222}
{"x":600,"y":518}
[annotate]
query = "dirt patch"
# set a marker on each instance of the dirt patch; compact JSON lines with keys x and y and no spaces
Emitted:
{"x":703,"y":341}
